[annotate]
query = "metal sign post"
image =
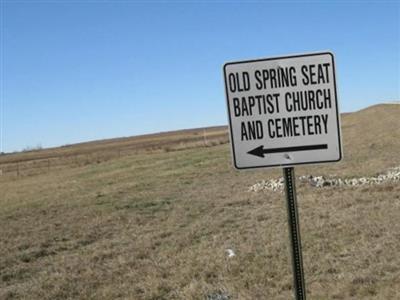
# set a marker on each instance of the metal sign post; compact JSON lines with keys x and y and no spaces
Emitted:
{"x":283,"y":111}
{"x":294,"y":234}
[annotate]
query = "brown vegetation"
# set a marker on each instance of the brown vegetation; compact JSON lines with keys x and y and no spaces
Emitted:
{"x":156,"y":224}
{"x":41,"y":160}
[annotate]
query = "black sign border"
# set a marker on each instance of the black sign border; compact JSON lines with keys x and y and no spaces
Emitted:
{"x":280,"y":58}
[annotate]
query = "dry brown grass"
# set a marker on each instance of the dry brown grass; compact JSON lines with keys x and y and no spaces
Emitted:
{"x":135,"y":144}
{"x":156,"y":226}
{"x":35,"y":162}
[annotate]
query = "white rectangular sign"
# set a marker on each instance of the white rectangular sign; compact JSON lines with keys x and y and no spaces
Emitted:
{"x":283,"y":111}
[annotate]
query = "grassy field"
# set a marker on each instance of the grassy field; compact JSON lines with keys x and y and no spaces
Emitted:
{"x":37,"y":161}
{"x":156,"y":223}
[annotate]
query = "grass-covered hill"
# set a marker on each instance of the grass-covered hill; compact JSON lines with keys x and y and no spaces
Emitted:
{"x":155,"y":221}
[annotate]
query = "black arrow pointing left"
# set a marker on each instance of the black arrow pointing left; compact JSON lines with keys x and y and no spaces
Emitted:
{"x":260,"y":151}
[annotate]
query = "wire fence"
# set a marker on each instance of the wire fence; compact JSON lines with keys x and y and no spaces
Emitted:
{"x":37,"y":166}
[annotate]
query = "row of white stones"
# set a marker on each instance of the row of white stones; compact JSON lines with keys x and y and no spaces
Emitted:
{"x":392,"y":175}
